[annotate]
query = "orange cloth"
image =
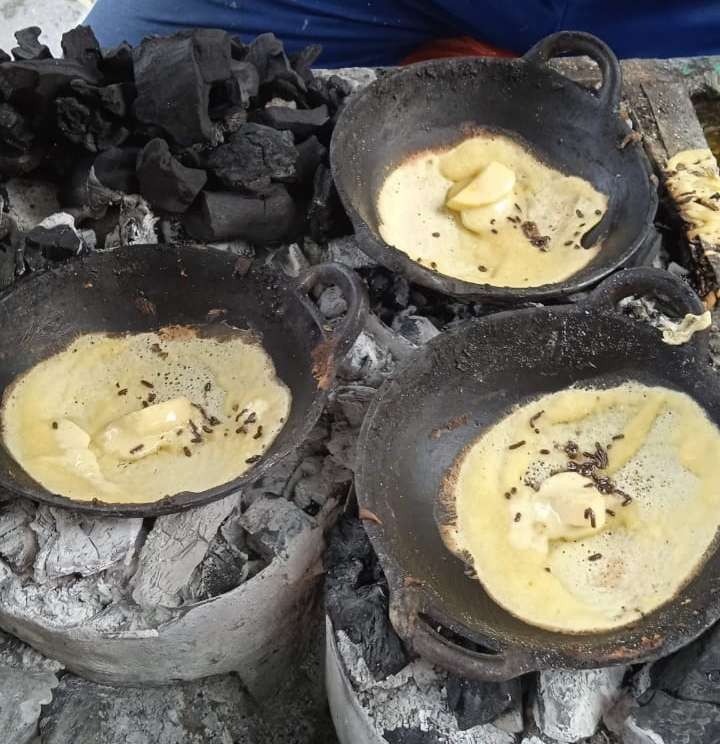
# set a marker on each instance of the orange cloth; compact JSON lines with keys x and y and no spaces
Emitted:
{"x":464,"y":46}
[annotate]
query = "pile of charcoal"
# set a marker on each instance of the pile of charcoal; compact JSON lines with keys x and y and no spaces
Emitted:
{"x":227,"y":140}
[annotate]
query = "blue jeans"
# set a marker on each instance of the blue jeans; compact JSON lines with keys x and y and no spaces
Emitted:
{"x":382,"y":32}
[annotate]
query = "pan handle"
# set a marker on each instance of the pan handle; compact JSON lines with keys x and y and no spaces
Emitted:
{"x":353,"y":290}
{"x":657,"y":282}
{"x":490,"y":667}
{"x":578,"y":42}
{"x":419,"y":630}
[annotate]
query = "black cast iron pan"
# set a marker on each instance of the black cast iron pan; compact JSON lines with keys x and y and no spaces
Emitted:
{"x":440,"y":103}
{"x":463,"y":382}
{"x":143,"y":288}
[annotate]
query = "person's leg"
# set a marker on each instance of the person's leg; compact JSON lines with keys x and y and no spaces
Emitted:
{"x":352,"y":32}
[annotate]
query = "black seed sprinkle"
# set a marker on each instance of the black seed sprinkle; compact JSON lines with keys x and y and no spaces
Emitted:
{"x":147,"y":384}
{"x":207,"y":429}
{"x":235,"y":406}
{"x":492,"y":222}
{"x":258,"y":433}
{"x":123,"y":391}
{"x":54,"y":424}
{"x":507,"y":495}
{"x":544,"y":451}
{"x":618,"y":437}
{"x":517,"y":444}
{"x":518,"y":516}
{"x":251,"y":419}
{"x":241,"y":430}
{"x":207,"y":387}
{"x":579,"y":213}
{"x":145,"y":404}
{"x":436,"y":235}
{"x":253,"y":459}
{"x":179,"y":432}
{"x":534,"y":418}
{"x":151,"y":397}
{"x":627,"y":499}
{"x":433,"y":265}
{"x":214,"y":421}
{"x":493,"y":231}
{"x":482,"y":268}
{"x":590,"y":514}
{"x":547,"y":568}
{"x":513,"y":490}
{"x":598,"y":212}
{"x":610,"y":512}
{"x":568,"y":242}
{"x":187,"y":452}
{"x":137,"y":448}
{"x":595,"y":557}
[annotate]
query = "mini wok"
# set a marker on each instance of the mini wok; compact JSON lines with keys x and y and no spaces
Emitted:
{"x":466,"y":381}
{"x":143,"y":288}
{"x":436,"y":105}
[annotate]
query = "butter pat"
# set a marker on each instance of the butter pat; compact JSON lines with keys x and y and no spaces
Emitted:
{"x":493,"y":183}
{"x":140,"y":433}
{"x":564,"y":508}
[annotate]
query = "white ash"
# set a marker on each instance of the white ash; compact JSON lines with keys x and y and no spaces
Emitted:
{"x":290,"y":259}
{"x":18,"y":543}
{"x":23,"y":695}
{"x":136,"y":224}
{"x":173,"y":550}
{"x":569,"y":705}
{"x":368,"y":361}
{"x":332,"y":303}
{"x":413,"y":699}
{"x":71,"y":543}
{"x":346,"y":251}
{"x":358,"y":77}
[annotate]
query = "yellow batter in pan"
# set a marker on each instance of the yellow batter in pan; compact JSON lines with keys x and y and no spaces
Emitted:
{"x":135,"y":418}
{"x":610,"y":540}
{"x":490,"y":212}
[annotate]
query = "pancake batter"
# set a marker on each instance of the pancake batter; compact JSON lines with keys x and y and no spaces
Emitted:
{"x":586,"y":509}
{"x":135,"y":418}
{"x":489,"y":212}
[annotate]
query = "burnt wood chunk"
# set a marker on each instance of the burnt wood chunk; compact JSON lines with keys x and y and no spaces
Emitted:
{"x":303,"y":61}
{"x":29,"y":46}
{"x":301,"y":122}
{"x":254,"y":158}
{"x":14,"y":130}
{"x":4,"y":56}
{"x":310,"y":154}
{"x":247,"y":80}
{"x":80,"y":44}
{"x":174,"y":76}
{"x":54,"y":244}
{"x":325,"y":216}
{"x":117,"y":64}
{"x":115,"y":169}
{"x":227,"y":215}
{"x":165,"y":182}
{"x":86,"y":126}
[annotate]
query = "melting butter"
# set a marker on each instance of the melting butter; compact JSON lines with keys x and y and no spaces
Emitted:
{"x":488,"y":211}
{"x":676,"y":334}
{"x":559,"y":552}
{"x":132,"y":419}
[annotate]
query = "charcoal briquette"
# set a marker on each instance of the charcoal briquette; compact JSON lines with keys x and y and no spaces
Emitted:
{"x":310,"y":154}
{"x":247,"y":80}
{"x":165,"y":182}
{"x":117,"y":64}
{"x":303,"y":61}
{"x":14,"y":130}
{"x":54,"y":244}
{"x":254,"y":158}
{"x":115,"y":169}
{"x":228,"y":215}
{"x":301,"y":122}
{"x":29,"y":46}
{"x":81,"y":45}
